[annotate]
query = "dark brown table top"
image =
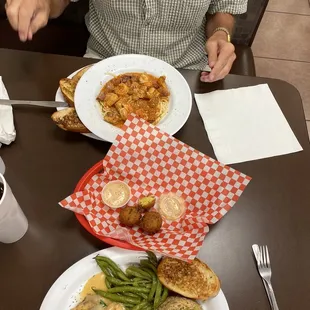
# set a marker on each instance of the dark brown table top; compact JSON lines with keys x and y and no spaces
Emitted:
{"x":44,"y":164}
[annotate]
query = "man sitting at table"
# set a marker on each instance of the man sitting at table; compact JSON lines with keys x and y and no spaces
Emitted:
{"x":172,"y":30}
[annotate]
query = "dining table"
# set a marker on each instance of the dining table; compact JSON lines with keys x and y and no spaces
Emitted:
{"x":44,"y":164}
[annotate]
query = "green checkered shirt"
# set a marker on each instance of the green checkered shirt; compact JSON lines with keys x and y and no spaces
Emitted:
{"x":172,"y":30}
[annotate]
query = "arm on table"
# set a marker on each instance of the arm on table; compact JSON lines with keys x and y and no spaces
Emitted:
{"x":28,"y":16}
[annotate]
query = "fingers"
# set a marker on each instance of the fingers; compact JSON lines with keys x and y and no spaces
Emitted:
{"x":20,"y":13}
{"x":226,"y":53}
{"x":205,"y":76}
{"x":226,"y":68}
{"x":39,"y":21}
{"x":24,"y":19}
{"x":212,"y":50}
{"x":12,"y":10}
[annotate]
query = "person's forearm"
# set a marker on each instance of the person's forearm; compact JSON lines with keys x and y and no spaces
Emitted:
{"x":57,"y":7}
{"x":219,"y":20}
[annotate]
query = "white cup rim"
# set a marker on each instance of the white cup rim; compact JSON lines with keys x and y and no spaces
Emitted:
{"x":2,"y":180}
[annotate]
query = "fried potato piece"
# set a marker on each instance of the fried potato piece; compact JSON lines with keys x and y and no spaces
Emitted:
{"x":147,"y":203}
{"x":130,"y":216}
{"x":151,"y":222}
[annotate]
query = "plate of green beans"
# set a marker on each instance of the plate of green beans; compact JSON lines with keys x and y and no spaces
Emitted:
{"x":130,"y":279}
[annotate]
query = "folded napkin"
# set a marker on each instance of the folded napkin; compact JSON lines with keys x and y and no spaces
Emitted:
{"x":7,"y":129}
{"x":245,"y":124}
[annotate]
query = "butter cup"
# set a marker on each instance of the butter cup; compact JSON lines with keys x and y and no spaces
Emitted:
{"x":120,"y":205}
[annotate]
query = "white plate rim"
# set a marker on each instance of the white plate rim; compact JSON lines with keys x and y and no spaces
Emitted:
{"x":61,"y":285}
{"x":92,"y":117}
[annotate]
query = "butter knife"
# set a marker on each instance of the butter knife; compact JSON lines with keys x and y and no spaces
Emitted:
{"x":47,"y":104}
{"x":256,"y":252}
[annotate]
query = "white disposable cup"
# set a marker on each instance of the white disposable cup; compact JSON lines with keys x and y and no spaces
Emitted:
{"x":13,"y":222}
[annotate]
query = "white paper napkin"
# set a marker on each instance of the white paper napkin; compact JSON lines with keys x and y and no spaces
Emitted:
{"x":245,"y":124}
{"x":7,"y":129}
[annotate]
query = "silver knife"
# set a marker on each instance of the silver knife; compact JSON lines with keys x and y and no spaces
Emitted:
{"x":256,"y":252}
{"x":48,"y":104}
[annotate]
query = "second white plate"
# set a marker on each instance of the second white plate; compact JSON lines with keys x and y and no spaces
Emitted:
{"x":93,"y":80}
{"x":64,"y":294}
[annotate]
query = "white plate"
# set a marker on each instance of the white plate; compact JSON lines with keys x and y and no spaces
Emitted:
{"x":60,"y":97}
{"x":64,"y":294}
{"x":93,"y":80}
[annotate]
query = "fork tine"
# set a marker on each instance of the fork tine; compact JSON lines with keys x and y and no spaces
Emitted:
{"x":267,"y":256}
{"x":261,"y":255}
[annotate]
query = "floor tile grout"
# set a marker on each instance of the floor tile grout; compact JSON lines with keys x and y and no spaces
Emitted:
{"x":289,"y":13}
{"x":292,"y":60}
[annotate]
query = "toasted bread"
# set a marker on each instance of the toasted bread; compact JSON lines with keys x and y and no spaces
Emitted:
{"x":67,"y":86}
{"x":67,"y":119}
{"x":179,"y":303}
{"x":192,"y":280}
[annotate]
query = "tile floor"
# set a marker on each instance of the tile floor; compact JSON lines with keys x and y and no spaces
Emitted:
{"x":282,"y":46}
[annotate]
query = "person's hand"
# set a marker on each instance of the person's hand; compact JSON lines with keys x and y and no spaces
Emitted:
{"x":27,"y":16}
{"x":221,"y":55}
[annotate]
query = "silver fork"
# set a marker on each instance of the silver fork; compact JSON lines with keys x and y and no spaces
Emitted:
{"x":257,"y":256}
{"x":264,"y":270}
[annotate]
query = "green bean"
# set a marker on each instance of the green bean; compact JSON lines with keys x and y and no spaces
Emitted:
{"x":148,"y":307}
{"x":143,"y":284}
{"x":142,"y":273}
{"x":132,"y":273}
{"x":102,"y":266}
{"x":122,"y":276}
{"x":164,"y":296}
{"x":157,"y":295}
{"x":115,"y":267}
{"x":143,"y":295}
{"x":152,"y":258}
{"x":130,"y":294}
{"x":118,"y":282}
{"x":140,"y":280}
{"x":140,"y":306}
{"x":118,"y":298}
{"x":105,"y":267}
{"x":146,"y":263}
{"x":132,"y":289}
{"x":107,"y":283}
{"x":153,"y":289}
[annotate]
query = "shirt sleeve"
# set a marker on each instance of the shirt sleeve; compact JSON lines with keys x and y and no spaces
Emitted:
{"x":233,"y":7}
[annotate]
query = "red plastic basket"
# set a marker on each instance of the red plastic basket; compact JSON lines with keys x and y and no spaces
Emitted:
{"x":97,"y":168}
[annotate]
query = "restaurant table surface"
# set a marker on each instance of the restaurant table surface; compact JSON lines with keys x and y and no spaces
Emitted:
{"x":45,"y":163}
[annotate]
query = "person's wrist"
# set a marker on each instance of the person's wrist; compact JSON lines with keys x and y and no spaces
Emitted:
{"x":222,"y":32}
{"x":219,"y":35}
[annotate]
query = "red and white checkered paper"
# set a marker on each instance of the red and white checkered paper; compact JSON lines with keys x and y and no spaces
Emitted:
{"x":152,"y":163}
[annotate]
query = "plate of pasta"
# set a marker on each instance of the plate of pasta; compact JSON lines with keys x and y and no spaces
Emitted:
{"x":114,"y":88}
